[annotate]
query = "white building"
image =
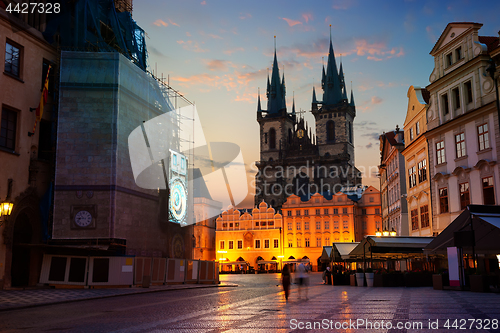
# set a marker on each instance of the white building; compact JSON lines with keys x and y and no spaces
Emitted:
{"x":462,"y":123}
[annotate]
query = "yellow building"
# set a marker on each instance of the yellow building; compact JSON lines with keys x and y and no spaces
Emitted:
{"x":418,"y":186}
{"x":322,"y":220}
{"x":249,"y":239}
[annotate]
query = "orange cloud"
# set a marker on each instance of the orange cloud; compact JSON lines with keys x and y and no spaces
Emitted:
{"x":203,"y":3}
{"x":160,"y":23}
{"x":291,"y":22}
{"x":173,"y":23}
{"x":307,"y":17}
{"x":217,"y":65}
{"x":191,"y":46}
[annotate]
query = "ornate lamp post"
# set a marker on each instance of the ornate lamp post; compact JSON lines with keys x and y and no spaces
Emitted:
{"x":5,"y":210}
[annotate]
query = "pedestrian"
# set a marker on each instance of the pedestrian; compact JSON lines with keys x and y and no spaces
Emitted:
{"x":328,"y":276}
{"x":285,"y":280}
{"x":302,"y":278}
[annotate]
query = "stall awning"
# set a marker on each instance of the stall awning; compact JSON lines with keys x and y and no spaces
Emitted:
{"x":341,"y":250}
{"x":390,"y":246}
{"x":325,"y":256}
{"x":266,"y":262}
{"x":232,"y":263}
{"x":483,"y":220}
{"x":295,"y":261}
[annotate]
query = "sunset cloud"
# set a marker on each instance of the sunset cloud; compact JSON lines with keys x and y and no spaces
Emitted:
{"x":217,"y":65}
{"x":191,"y":46}
{"x":160,"y":23}
{"x":291,"y":22}
{"x":231,"y":51}
{"x":307,"y":17}
{"x":173,"y":23}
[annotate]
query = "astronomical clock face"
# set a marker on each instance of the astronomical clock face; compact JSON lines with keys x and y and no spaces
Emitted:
{"x":300,"y":133}
{"x":178,"y":200}
{"x":83,"y":219}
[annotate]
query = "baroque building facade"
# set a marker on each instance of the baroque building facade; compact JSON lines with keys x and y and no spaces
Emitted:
{"x":392,"y":183}
{"x":416,"y":158}
{"x":462,"y":119}
{"x":293,"y":160}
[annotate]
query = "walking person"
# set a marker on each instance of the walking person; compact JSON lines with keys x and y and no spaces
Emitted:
{"x":328,"y":276}
{"x":302,"y":278}
{"x":285,"y":280}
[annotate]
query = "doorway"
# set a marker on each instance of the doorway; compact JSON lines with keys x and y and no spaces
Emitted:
{"x":21,"y":254}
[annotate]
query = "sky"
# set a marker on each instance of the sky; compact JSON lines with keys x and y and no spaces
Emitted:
{"x":219,"y":53}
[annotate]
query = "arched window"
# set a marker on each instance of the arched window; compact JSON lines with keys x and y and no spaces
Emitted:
{"x":330,"y":131}
{"x":289,"y":136}
{"x":350,"y":131}
{"x":272,"y":138}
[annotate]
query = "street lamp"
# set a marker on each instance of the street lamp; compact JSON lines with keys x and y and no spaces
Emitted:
{"x":393,"y":232}
{"x":385,"y":232}
{"x":5,"y":210}
{"x":378,"y":233}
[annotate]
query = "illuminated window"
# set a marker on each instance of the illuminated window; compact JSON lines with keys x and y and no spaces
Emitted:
{"x":422,"y":171}
{"x":412,"y":177}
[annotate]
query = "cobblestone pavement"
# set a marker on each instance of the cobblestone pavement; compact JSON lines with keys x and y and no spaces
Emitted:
{"x":258,"y":305}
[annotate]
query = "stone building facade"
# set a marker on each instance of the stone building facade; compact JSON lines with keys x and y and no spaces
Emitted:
{"x":462,"y":122}
{"x":294,"y":160}
{"x":393,"y":183}
{"x":26,"y":160}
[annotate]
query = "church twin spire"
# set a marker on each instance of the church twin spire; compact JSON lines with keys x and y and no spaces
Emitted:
{"x":276,"y":90}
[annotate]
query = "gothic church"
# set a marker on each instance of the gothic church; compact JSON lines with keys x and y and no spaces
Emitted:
{"x":293,"y":160}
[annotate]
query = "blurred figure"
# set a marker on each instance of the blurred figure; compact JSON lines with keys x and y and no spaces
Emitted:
{"x":328,"y":276}
{"x":302,"y":278}
{"x":285,"y":279}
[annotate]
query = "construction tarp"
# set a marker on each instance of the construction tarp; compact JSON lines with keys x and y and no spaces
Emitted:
{"x":341,"y":250}
{"x":484,"y":221}
{"x":390,"y":247}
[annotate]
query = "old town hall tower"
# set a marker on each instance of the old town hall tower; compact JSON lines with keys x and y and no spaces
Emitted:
{"x":293,"y":160}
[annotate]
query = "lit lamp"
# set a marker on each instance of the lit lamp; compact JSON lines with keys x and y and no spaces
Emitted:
{"x":393,"y":232}
{"x":378,"y":233}
{"x":5,"y":210}
{"x":385,"y":232}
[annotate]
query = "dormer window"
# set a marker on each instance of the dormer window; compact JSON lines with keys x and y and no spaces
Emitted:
{"x":449,"y":59}
{"x":458,"y":53}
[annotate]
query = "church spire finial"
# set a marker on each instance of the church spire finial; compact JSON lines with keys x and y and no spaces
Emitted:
{"x":276,"y":88}
{"x":259,"y":109}
{"x":332,"y":90}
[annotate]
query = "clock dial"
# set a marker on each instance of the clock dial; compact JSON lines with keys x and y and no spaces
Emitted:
{"x":83,"y":218}
{"x":178,"y":200}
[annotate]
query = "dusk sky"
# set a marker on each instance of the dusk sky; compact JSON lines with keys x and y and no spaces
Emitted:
{"x":218,"y":53}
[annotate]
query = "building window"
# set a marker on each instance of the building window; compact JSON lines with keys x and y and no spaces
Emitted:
{"x":440,"y":152}
{"x":335,"y":211}
{"x":456,"y":98}
{"x":230,"y":225}
{"x":256,"y":224}
{"x":224,"y":225}
{"x":240,"y":244}
{"x":306,"y":225}
{"x":422,"y":171}
{"x":377,"y":225}
{"x":325,"y":211}
{"x":327,"y":241}
{"x":458,"y":53}
{"x":318,"y":225}
{"x":272,"y":138}
{"x":299,"y":225}
{"x":364,"y":224}
{"x":266,"y":243}
{"x":424,"y":216}
{"x":8,"y":129}
{"x":443,"y":200}
{"x":372,"y":199}
{"x":488,"y":191}
{"x":318,"y":211}
{"x":411,"y":133}
{"x":417,"y":127}
{"x":345,"y":224}
{"x":297,"y":212}
{"x":318,"y":242}
{"x":231,"y":245}
{"x":363,"y":211}
{"x":257,"y":243}
{"x":414,"y":219}
{"x":290,"y":226}
{"x":327,"y":225}
{"x":290,"y":243}
{"x":12,"y":59}
{"x":482,"y":136}
{"x":299,"y":242}
{"x":289,"y":213}
{"x":265,"y":138}
{"x":377,"y":210}
{"x":445,"y":105}
{"x":449,"y":59}
{"x":460,"y":144}
{"x":221,"y":245}
{"x":330,"y":130}
{"x":468,"y":92}
{"x":344,"y":210}
{"x":335,"y":224}
{"x":306,"y":212}
{"x":464,"y":195}
{"x":412,"y":177}
{"x":307,"y":242}
{"x":262,"y":224}
{"x":237,"y":224}
{"x":276,"y":243}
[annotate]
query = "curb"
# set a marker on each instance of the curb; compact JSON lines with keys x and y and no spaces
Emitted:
{"x":184,"y":287}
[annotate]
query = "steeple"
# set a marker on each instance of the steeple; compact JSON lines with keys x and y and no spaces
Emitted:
{"x":342,"y":83}
{"x":293,"y":105}
{"x":259,"y":109}
{"x":314,"y":96}
{"x":275,"y":89}
{"x":352,"y":98}
{"x":332,"y":90}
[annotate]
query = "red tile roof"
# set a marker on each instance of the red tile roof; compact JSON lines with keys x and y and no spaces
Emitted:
{"x":490,"y":42}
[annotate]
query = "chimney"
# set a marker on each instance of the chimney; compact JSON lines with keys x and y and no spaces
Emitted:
{"x":400,"y":138}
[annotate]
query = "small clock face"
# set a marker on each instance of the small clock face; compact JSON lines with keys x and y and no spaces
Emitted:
{"x":83,"y":218}
{"x":300,"y":133}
